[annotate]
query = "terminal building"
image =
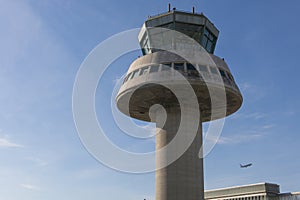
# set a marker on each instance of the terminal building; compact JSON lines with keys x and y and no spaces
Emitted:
{"x":259,"y":191}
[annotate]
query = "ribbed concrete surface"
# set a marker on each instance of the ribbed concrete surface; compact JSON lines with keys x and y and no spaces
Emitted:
{"x":183,"y":179}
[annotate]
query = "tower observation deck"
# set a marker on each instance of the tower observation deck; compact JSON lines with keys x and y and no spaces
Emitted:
{"x":146,"y":83}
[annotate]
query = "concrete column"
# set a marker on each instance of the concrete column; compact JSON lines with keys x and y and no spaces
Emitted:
{"x":183,"y":179}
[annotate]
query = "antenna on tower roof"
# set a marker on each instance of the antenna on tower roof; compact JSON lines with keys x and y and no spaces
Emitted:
{"x":193,"y":9}
{"x":169,"y":7}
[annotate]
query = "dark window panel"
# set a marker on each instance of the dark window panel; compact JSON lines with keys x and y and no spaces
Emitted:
{"x":222,"y":73}
{"x":179,"y":66}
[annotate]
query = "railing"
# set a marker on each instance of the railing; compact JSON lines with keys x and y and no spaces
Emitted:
{"x":172,"y":11}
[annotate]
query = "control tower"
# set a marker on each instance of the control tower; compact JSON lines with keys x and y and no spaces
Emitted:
{"x":143,"y":87}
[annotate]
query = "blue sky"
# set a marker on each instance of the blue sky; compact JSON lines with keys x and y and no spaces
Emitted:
{"x":43,"y":44}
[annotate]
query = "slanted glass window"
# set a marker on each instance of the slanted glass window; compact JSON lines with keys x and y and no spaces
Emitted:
{"x":127,"y":77}
{"x":179,"y":67}
{"x":209,"y":46}
{"x":154,"y":68}
{"x":135,"y":73}
{"x":166,"y":66}
{"x":190,"y":30}
{"x":144,"y":51}
{"x":144,"y":70}
{"x":203,"y":68}
{"x":145,"y":45}
{"x":192,"y":71}
{"x":230,"y":76}
{"x":208,"y":41}
{"x":189,"y":66}
{"x":214,"y":70}
{"x":222,"y":73}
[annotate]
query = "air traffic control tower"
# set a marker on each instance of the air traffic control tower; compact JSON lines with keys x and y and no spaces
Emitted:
{"x":144,"y":87}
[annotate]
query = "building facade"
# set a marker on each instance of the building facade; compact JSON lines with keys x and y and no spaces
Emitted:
{"x":260,"y":191}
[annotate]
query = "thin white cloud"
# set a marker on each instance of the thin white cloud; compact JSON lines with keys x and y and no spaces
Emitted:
{"x":268,"y":126}
{"x":117,"y":79}
{"x":254,"y":91}
{"x":245,"y":86}
{"x":255,"y":115}
{"x":30,"y":187}
{"x":8,"y":144}
{"x":236,"y":139}
{"x":247,"y":136}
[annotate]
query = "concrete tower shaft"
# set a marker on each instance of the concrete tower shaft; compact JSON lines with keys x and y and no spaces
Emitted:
{"x":183,"y":179}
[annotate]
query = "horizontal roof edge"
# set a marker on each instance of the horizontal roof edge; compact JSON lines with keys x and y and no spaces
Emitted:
{"x":150,"y":18}
{"x":249,"y":185}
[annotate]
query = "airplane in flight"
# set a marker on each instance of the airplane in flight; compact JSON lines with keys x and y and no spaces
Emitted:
{"x":245,"y":166}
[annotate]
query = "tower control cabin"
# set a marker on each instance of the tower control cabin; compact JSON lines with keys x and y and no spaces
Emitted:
{"x":143,"y":87}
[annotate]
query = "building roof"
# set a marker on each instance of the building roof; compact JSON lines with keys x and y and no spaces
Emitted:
{"x":260,"y":188}
{"x":181,"y":16}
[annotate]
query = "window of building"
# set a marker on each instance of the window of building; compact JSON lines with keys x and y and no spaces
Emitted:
{"x":135,"y":73}
{"x":144,"y":70}
{"x":230,"y":76}
{"x":190,"y":66}
{"x":209,"y":46}
{"x":166,"y":66}
{"x":222,"y":73}
{"x":127,"y":77}
{"x":214,"y":70}
{"x":191,"y":30}
{"x":154,"y":68}
{"x":179,"y":67}
{"x":203,"y":68}
{"x":192,"y":71}
{"x":208,"y":41}
{"x":145,"y":45}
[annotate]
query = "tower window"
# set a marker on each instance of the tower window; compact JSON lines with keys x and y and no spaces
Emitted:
{"x":166,"y":66}
{"x":144,"y":70}
{"x":179,"y":67}
{"x":225,"y":78}
{"x":208,"y":41}
{"x":214,"y":70}
{"x":135,"y":73}
{"x":154,"y":68}
{"x":191,"y":30}
{"x":189,"y":66}
{"x":127,"y":77}
{"x":192,"y":71}
{"x":230,"y":76}
{"x":203,"y":68}
{"x":222,"y":73}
